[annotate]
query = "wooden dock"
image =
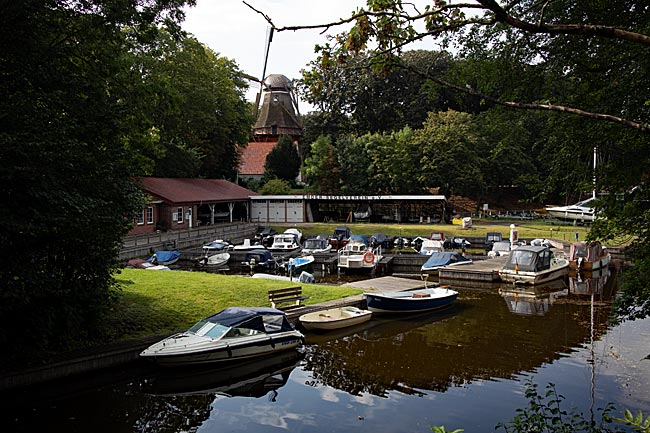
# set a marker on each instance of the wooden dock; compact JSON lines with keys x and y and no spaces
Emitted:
{"x":480,"y":273}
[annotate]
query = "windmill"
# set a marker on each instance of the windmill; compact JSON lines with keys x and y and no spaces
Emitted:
{"x":278,"y":113}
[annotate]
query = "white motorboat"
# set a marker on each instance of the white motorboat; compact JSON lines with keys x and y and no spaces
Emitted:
{"x":581,"y":211}
{"x":284,"y":242}
{"x":531,"y":264}
{"x":316,"y":246}
{"x":357,"y":255}
{"x":216,"y":260}
{"x":334,"y":318}
{"x":233,"y":334}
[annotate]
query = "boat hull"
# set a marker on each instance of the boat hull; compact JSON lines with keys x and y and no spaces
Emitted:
{"x":522,"y":277}
{"x":334,"y":318}
{"x":175,"y":355}
{"x":576,"y":265}
{"x":410,"y":301}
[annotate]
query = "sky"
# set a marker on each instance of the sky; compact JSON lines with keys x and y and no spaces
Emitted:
{"x":233,"y":30}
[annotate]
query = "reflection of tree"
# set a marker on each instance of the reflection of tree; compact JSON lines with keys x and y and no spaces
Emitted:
{"x":479,"y":339}
{"x":173,"y":414}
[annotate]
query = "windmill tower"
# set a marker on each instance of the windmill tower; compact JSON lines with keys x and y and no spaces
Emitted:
{"x":279,"y":114}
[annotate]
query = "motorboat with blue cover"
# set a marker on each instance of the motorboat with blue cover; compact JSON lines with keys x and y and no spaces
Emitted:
{"x":441,"y":259}
{"x":165,"y":258}
{"x":235,"y":333}
{"x":411,"y":301}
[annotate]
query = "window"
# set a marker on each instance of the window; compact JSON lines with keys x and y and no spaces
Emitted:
{"x":179,"y":215}
{"x":139,"y":217}
{"x":149,"y":215}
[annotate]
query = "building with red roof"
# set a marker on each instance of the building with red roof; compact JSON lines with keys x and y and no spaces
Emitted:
{"x":178,"y":203}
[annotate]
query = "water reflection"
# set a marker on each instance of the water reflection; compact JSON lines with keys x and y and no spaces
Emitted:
{"x":533,"y":300}
{"x":480,"y":338}
{"x":399,"y":363}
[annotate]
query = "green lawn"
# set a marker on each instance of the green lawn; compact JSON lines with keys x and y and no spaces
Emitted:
{"x":527,"y":229}
{"x":159,"y":302}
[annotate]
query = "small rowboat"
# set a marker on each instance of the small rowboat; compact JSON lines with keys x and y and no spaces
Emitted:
{"x":334,"y":318}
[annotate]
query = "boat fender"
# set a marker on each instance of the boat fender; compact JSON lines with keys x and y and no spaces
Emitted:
{"x":368,"y":257}
{"x":229,"y":350}
{"x":272,"y":342}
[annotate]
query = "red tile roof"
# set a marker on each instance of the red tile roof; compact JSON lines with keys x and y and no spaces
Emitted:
{"x":178,"y":190}
{"x":254,"y":156}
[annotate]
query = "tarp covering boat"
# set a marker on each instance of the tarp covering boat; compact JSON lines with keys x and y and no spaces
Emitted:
{"x":263,"y":319}
{"x":444,"y":258}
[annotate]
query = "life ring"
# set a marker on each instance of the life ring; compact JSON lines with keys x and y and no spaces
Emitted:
{"x":368,"y":257}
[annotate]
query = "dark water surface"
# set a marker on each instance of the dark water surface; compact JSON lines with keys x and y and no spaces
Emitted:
{"x":465,"y":368}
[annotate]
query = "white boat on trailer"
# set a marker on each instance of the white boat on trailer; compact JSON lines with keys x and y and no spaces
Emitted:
{"x":233,"y":334}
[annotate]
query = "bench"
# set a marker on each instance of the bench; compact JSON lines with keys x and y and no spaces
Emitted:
{"x":284,"y":296}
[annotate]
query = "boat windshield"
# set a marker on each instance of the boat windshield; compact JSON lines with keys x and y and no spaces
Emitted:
{"x":240,"y":332}
{"x":208,"y":329}
{"x":522,"y":257}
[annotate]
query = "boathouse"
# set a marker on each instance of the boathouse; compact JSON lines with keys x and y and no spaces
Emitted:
{"x":351,"y":208}
{"x":178,"y":203}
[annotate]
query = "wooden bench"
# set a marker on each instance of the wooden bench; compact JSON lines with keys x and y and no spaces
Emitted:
{"x":284,"y":296}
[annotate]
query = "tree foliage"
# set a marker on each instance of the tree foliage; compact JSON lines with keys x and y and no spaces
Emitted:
{"x":582,"y":68}
{"x":194,"y":101}
{"x":283,"y":161}
{"x":93,"y":94}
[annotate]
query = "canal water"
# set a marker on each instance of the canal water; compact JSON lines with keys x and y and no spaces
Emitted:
{"x":466,"y":367}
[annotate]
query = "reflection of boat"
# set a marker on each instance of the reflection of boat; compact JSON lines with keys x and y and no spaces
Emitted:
{"x":410,"y":301}
{"x":164,"y":257}
{"x":533,"y":265}
{"x":531,"y":301}
{"x":232,"y":334}
{"x":588,"y":257}
{"x":440,"y":259}
{"x":581,"y":211}
{"x":248,"y":378}
{"x":334,"y":318}
{"x":588,"y":282}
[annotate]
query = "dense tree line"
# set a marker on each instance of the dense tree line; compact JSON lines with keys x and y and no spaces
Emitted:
{"x":94,"y":94}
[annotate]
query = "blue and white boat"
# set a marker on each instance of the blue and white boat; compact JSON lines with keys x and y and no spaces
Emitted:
{"x":441,"y":259}
{"x":164,"y":258}
{"x":411,"y":301}
{"x":233,"y":334}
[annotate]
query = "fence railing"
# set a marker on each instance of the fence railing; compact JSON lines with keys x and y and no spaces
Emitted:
{"x":142,"y":244}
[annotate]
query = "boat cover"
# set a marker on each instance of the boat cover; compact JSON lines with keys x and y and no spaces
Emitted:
{"x":591,"y":252}
{"x":163,"y":256}
{"x":443,"y":258}
{"x":263,"y":319}
{"x":529,"y":258}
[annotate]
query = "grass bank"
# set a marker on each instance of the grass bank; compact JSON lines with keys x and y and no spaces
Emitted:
{"x":154,"y":303}
{"x":527,"y":229}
